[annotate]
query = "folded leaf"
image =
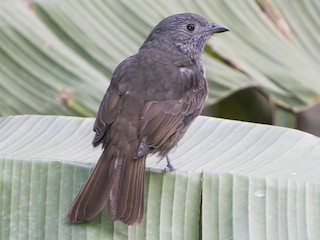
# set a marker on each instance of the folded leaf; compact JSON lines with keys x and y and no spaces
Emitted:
{"x":234,"y":180}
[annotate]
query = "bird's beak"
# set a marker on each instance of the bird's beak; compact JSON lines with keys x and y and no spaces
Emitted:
{"x":215,"y":28}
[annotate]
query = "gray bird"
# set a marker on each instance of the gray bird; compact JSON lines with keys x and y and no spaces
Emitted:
{"x":153,"y":98}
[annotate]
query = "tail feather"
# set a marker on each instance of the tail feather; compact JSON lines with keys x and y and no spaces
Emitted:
{"x":129,"y":204}
{"x":117,"y":181}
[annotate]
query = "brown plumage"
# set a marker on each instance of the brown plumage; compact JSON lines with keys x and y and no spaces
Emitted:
{"x":151,"y":101}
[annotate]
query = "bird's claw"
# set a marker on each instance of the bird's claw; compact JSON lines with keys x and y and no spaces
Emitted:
{"x":169,"y":166}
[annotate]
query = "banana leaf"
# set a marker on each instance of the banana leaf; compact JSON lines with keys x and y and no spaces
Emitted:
{"x":235,"y":180}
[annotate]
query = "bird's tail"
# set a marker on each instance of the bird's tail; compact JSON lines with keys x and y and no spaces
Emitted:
{"x":117,"y":181}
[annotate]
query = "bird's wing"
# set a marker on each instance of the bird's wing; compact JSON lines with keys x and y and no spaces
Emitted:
{"x":164,"y":122}
{"x":111,"y":102}
{"x":107,"y":113}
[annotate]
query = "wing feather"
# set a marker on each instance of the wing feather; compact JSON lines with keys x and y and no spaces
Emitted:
{"x":164,"y":121}
{"x":106,"y":115}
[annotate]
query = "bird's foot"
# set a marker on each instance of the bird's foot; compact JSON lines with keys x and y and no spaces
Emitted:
{"x":169,"y":166}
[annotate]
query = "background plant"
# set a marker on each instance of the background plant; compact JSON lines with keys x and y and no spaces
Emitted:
{"x":57,"y":58}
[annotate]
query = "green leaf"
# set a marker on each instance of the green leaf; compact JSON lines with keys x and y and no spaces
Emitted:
{"x":234,"y":180}
{"x":38,"y":72}
{"x":285,"y":118}
{"x":44,"y":162}
{"x":126,"y":30}
{"x":57,"y":57}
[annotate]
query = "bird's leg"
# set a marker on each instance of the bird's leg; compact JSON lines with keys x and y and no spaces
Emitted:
{"x":169,"y":166}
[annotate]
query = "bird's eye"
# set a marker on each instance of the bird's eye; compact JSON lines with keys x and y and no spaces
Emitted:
{"x":191,"y":27}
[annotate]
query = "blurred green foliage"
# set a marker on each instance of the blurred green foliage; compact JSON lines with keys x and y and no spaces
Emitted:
{"x":56,"y":57}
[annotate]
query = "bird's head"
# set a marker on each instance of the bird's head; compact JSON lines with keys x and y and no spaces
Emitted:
{"x":188,"y":32}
